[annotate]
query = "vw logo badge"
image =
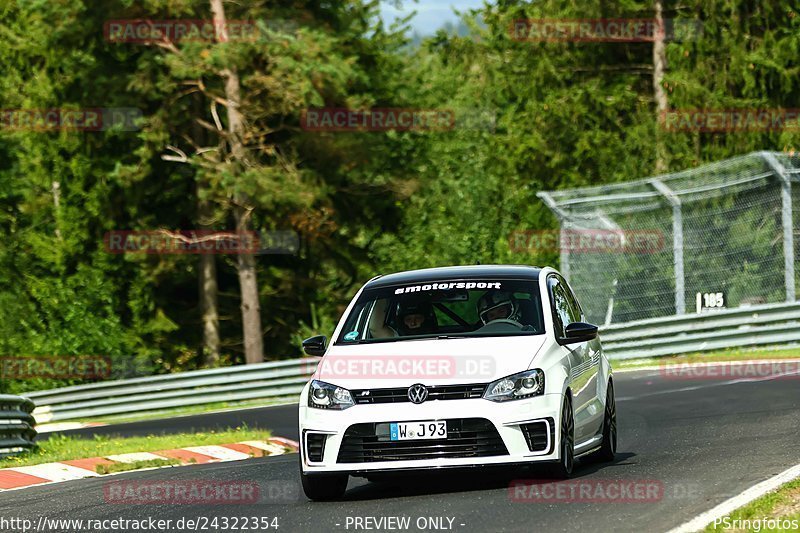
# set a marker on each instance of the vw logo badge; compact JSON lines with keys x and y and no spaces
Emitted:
{"x":417,"y":393}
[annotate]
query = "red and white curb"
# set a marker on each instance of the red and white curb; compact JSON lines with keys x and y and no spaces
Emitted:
{"x":26,"y":476}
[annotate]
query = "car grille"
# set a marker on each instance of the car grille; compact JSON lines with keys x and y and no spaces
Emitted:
{"x":536,"y":435}
{"x":466,"y":437}
{"x":400,"y":394}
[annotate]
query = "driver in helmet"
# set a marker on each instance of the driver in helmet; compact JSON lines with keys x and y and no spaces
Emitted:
{"x":416,"y":318}
{"x":498,"y":305}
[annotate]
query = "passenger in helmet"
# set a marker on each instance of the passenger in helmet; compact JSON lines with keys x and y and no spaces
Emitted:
{"x":416,"y":318}
{"x":498,"y":305}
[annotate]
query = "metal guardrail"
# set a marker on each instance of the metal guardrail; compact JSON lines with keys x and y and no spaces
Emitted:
{"x":16,"y":425}
{"x":762,"y":325}
{"x":744,"y":327}
{"x":170,"y":391}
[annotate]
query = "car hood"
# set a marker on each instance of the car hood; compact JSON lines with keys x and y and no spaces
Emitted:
{"x":427,"y":361}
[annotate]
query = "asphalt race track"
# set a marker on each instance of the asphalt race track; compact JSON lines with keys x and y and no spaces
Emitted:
{"x":702,"y":441}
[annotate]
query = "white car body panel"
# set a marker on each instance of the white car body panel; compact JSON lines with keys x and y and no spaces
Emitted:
{"x":580,"y":368}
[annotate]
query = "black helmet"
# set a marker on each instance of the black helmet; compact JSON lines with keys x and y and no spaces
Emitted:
{"x":416,"y":307}
{"x":495,"y":299}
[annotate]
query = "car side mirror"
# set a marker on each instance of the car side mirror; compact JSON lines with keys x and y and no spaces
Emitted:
{"x":315,"y":345}
{"x":580,"y":332}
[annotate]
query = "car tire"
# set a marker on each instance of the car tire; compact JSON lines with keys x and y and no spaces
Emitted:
{"x":324,"y":487}
{"x":608,"y":447}
{"x":566,"y":463}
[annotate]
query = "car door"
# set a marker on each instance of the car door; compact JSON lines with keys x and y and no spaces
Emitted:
{"x":592,"y":395}
{"x":566,"y":311}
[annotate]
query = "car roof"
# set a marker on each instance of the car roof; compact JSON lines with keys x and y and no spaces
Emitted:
{"x":486,"y":272}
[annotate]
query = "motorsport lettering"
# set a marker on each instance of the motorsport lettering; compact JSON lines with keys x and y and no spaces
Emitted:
{"x":449,"y":286}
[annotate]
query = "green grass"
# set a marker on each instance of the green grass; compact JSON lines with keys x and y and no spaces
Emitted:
{"x":136,"y":465}
{"x":783,"y":504}
{"x":705,"y":357}
{"x":63,"y":448}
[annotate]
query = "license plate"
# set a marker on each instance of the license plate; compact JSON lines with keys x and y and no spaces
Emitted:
{"x":427,"y":429}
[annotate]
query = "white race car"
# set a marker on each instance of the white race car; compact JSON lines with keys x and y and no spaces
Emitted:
{"x":456,"y":367}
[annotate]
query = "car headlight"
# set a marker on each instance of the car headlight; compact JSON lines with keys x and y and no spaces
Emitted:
{"x":516,"y":387}
{"x":326,"y":396}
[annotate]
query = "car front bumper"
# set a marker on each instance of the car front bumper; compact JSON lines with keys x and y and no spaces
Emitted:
{"x":507,"y":418}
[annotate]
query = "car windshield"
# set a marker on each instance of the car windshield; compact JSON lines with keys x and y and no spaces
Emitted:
{"x":445,"y":308}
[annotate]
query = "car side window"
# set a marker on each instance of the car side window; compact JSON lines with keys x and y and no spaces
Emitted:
{"x":575,"y":308}
{"x":562,"y":314}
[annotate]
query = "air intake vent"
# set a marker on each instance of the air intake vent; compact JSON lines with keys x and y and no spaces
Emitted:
{"x":315,"y":447}
{"x":540,"y":435}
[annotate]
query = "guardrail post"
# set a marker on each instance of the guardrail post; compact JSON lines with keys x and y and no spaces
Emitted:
{"x":677,"y":244}
{"x":787,"y":222}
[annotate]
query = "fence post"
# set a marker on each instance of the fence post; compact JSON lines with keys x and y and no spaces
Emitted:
{"x":677,"y":244}
{"x":562,"y":220}
{"x":787,"y":222}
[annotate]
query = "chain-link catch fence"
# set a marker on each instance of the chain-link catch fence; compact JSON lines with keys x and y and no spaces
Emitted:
{"x":725,"y":234}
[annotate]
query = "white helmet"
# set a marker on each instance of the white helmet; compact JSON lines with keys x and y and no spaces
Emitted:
{"x":496,"y":300}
